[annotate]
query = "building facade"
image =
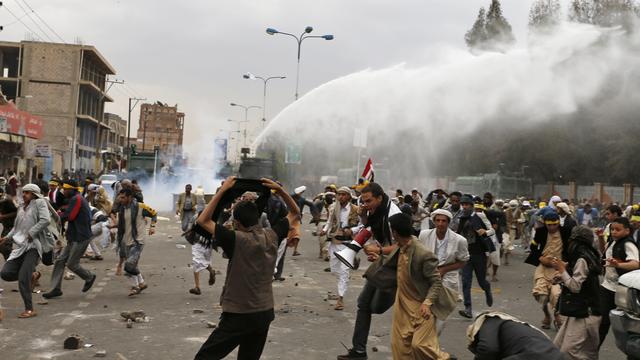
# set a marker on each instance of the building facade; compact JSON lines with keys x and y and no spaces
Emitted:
{"x":63,"y":84}
{"x":163,"y":126}
{"x":116,"y":142}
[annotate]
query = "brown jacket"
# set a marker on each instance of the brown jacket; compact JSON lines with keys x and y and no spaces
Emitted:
{"x":181,"y":200}
{"x":334,"y":215}
{"x":423,"y":265}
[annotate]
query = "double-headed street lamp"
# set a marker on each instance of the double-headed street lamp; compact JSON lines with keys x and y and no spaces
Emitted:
{"x":246,"y":115}
{"x":299,"y":39}
{"x":251,"y":76}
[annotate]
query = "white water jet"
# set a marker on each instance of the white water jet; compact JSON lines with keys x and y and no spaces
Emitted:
{"x":414,"y":113}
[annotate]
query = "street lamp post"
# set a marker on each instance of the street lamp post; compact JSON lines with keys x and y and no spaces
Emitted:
{"x":299,"y":40}
{"x":246,"y":115}
{"x":264,"y":92}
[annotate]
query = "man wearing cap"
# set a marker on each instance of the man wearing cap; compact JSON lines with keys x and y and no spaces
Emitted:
{"x":78,"y":234}
{"x":450,"y":248}
{"x":341,"y":223}
{"x":549,"y":245}
{"x":475,"y":231}
{"x":30,"y":242}
{"x":55,"y":195}
{"x":8,"y":212}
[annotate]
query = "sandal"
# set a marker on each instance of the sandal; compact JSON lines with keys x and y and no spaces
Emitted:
{"x":134,"y":291}
{"x":142,"y":287}
{"x":27,"y":314}
{"x":212,"y":278}
{"x":195,"y":291}
{"x":557,"y":321}
{"x":34,"y":279}
{"x":546,"y":324}
{"x":295,"y":253}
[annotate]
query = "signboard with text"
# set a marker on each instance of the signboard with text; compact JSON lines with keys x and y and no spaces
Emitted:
{"x":14,"y":121}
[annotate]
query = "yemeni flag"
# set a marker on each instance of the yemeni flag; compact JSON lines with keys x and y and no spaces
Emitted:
{"x":368,"y":173}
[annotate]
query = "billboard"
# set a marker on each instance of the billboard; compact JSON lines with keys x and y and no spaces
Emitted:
{"x":14,"y":121}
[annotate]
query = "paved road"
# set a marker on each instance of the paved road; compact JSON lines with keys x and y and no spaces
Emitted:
{"x":306,"y":326}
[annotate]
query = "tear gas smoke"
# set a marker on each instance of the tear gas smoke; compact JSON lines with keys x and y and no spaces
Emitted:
{"x":414,"y":114}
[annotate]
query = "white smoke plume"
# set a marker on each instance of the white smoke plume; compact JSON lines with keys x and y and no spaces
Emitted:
{"x":415,"y":113}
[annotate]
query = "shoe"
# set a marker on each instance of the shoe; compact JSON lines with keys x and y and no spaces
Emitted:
{"x":452,"y":357}
{"x":134,"y":291}
{"x":489,"y":298}
{"x":89,"y":283}
{"x":212,"y":278}
{"x":27,"y":314}
{"x":295,"y":253}
{"x":327,"y":269}
{"x":97,"y":258}
{"x":280,"y":278}
{"x":353,"y":355}
{"x":195,"y":291}
{"x":466,"y":313}
{"x":52,"y":294}
{"x":356,"y":263}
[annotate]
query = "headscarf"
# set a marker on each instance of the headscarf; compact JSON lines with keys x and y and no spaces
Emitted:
{"x":581,"y":247}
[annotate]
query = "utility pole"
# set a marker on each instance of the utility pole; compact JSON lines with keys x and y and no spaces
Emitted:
{"x":137,"y":100}
{"x":99,"y":133}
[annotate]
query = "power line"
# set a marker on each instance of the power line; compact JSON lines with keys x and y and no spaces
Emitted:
{"x":14,"y":21}
{"x":34,"y":22}
{"x":43,"y":21}
{"x":22,"y":22}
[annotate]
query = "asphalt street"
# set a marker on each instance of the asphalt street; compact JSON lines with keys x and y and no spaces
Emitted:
{"x":306,"y":326}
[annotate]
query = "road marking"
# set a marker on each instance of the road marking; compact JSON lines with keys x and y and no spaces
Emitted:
{"x":97,"y":289}
{"x":91,"y":296}
{"x":57,"y":332}
{"x":68,"y":321}
{"x":83,"y":304}
{"x":102,"y":283}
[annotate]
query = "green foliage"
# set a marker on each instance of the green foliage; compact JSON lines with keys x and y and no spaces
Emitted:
{"x":490,"y":31}
{"x":544,"y":15}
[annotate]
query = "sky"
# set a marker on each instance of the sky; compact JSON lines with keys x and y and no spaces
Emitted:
{"x":193,"y":53}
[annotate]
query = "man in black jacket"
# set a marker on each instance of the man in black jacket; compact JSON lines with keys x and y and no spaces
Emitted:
{"x":548,"y":245}
{"x":474,"y":230}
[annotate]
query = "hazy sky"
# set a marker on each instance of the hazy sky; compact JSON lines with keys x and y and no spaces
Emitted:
{"x":194,"y":53}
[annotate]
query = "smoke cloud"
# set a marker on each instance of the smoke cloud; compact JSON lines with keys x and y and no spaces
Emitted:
{"x":414,"y":114}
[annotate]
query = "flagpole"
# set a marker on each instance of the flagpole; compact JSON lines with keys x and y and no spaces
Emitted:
{"x":358,"y":164}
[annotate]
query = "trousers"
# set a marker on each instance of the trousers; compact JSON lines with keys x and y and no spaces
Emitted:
{"x":21,"y":269}
{"x":70,"y":257}
{"x":246,"y":331}
{"x":370,"y":301}
{"x":477,"y":263}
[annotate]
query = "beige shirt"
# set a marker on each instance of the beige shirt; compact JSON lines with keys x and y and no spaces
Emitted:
{"x":141,"y":223}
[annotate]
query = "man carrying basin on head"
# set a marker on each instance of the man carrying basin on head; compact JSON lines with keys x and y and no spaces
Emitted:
{"x":375,"y":210}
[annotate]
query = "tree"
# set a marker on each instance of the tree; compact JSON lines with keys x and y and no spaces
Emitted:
{"x":614,"y":13}
{"x":476,"y":37}
{"x":544,"y":14}
{"x":499,"y":32}
{"x":581,"y":11}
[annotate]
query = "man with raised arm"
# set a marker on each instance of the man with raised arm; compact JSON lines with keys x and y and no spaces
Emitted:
{"x":247,"y":295}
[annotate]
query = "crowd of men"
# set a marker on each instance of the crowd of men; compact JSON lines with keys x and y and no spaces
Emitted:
{"x":55,"y":224}
{"x":423,"y":253}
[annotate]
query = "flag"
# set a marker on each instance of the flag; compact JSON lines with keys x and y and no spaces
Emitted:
{"x":368,"y":174}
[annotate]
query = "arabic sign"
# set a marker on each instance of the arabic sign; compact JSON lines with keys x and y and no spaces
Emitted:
{"x":14,"y":121}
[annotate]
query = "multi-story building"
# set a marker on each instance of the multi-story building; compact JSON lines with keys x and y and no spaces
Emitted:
{"x":64,"y":84}
{"x":163,"y":126}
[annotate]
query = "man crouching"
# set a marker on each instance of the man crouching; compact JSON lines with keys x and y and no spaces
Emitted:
{"x":420,"y":299}
{"x":247,"y":295}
